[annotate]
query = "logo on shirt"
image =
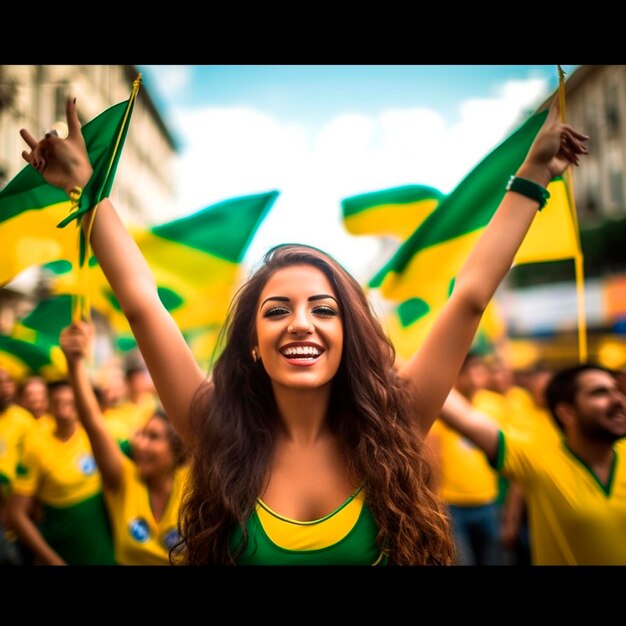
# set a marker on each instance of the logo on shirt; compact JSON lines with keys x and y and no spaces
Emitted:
{"x":87,"y":464}
{"x":171,"y":538}
{"x":139,"y":529}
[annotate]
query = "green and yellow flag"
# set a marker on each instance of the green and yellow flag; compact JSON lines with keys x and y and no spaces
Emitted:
{"x":31,"y":209}
{"x":422,"y":272}
{"x":25,"y":353}
{"x":397,"y":211}
{"x":195,"y":260}
{"x":49,"y":317}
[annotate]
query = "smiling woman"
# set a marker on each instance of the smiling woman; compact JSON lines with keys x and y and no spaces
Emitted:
{"x":299,"y":328}
{"x":307,"y":440}
{"x":300,"y":432}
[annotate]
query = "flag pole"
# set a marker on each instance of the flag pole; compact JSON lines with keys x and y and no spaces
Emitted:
{"x":578,"y":258}
{"x":80,"y":306}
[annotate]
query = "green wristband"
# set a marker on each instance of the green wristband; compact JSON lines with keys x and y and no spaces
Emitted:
{"x":529,"y":189}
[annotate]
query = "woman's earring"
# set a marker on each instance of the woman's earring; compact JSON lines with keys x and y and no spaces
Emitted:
{"x":255,"y":355}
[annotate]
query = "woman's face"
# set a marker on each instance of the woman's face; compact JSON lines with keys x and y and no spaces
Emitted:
{"x":152,"y":450}
{"x":299,"y":328}
{"x":63,"y":406}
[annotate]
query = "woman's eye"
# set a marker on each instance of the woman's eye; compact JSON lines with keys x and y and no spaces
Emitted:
{"x":325,"y":310}
{"x":276,"y":311}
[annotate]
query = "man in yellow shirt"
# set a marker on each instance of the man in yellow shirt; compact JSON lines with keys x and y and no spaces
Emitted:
{"x":576,"y":487}
{"x":15,"y":423}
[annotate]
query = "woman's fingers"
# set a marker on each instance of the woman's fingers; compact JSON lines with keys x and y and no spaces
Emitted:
{"x":569,"y":140}
{"x":554,"y":109}
{"x":73,"y":123}
{"x":28,"y":138}
{"x":572,"y":131}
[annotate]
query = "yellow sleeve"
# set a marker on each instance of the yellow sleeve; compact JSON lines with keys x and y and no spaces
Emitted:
{"x":28,"y":470}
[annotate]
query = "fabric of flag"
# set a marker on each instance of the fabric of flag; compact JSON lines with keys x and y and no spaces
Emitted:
{"x":195,"y":260}
{"x":408,"y":324}
{"x":31,"y":209}
{"x":397,"y":211}
{"x":424,"y":267}
{"x":24,"y":353}
{"x":50,"y":317}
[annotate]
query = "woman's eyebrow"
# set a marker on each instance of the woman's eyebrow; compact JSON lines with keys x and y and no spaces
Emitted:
{"x":321,"y":296}
{"x":276,"y":298}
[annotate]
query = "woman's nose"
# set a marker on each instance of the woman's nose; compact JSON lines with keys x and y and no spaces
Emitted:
{"x":300,"y":324}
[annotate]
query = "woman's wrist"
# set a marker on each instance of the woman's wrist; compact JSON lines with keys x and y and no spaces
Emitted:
{"x":534,"y":173}
{"x":80,"y":181}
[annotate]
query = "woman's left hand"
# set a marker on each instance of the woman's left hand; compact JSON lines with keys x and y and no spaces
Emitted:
{"x":63,"y":163}
{"x":555,"y":147}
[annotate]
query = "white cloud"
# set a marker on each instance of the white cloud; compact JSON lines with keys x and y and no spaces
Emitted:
{"x":238,"y":151}
{"x":171,"y":79}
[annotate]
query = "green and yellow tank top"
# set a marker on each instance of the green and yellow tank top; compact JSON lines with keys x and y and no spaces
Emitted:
{"x":347,"y":536}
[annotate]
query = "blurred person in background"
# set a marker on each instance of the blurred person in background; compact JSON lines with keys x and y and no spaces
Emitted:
{"x":58,"y":471}
{"x":15,"y":423}
{"x":143,"y":492}
{"x":575,"y":488}
{"x":32,"y":394}
{"x":141,"y":391}
{"x":467,"y":483}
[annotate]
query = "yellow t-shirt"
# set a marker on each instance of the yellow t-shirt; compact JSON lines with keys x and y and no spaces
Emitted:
{"x":59,"y":473}
{"x":466,"y":477}
{"x":573,"y":519}
{"x":64,"y":477}
{"x":147,"y":405}
{"x":125,"y":419}
{"x":46,"y":421}
{"x":525,"y":417}
{"x":139,"y":539}
{"x":15,"y":423}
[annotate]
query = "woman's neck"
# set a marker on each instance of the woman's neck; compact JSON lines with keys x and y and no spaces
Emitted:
{"x":303,"y":412}
{"x":159,"y":489}
{"x":64,"y":430}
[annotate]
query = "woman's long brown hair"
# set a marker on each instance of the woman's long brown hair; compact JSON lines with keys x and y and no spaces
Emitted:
{"x":235,"y":424}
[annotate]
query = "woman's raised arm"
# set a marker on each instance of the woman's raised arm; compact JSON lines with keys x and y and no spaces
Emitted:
{"x":433,"y":369}
{"x":174,"y":370}
{"x":75,"y":343}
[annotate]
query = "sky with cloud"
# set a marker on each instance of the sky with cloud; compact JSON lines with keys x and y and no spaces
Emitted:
{"x":319,"y":134}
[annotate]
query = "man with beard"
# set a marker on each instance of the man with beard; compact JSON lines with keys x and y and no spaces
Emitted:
{"x":576,"y":487}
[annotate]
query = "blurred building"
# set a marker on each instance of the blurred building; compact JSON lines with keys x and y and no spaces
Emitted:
{"x":540,"y":301}
{"x":596,"y":103}
{"x":34,"y":97}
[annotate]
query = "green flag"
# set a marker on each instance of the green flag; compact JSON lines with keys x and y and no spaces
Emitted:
{"x":24,"y":353}
{"x":30,"y":208}
{"x":196,"y":262}
{"x":425,"y":266}
{"x":50,"y":317}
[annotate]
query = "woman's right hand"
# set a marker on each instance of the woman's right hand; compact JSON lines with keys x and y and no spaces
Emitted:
{"x":63,"y":163}
{"x":75,"y":341}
